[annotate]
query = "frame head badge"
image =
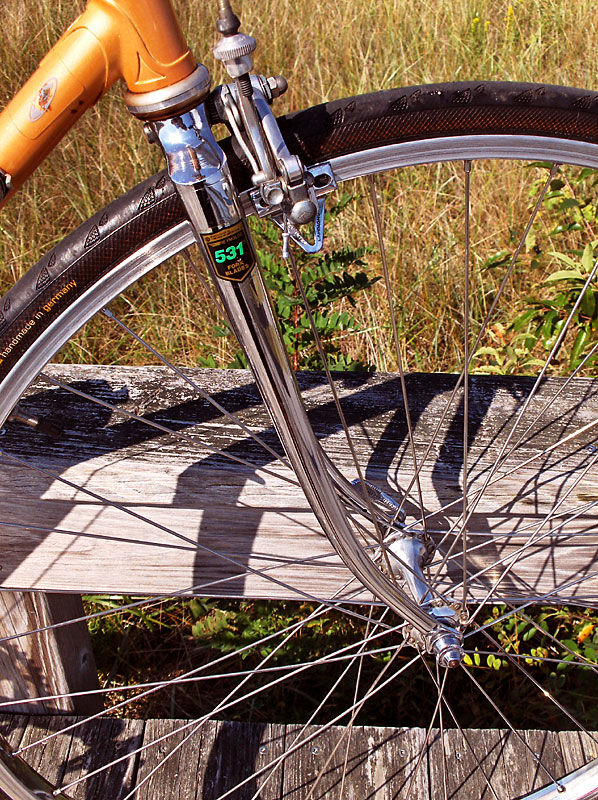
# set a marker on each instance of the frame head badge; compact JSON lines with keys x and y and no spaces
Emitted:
{"x":43,"y":99}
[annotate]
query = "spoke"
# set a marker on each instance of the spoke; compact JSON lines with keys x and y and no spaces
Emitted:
{"x":189,"y":591}
{"x":539,"y":659}
{"x":297,"y":745}
{"x":569,"y":516}
{"x":332,"y":386}
{"x":511,"y":728}
{"x":197,"y":388}
{"x":512,"y":559}
{"x":462,"y":732}
{"x":534,"y":527}
{"x":287,"y":631}
{"x":475,"y":494}
{"x":467,"y":166}
{"x":547,"y":535}
{"x":103,"y":536}
{"x":426,"y":743}
{"x":541,"y":688}
{"x":345,"y":735}
{"x":147,"y":602}
{"x":583,"y":659}
{"x":534,"y":538}
{"x":314,"y":714}
{"x":194,"y":591}
{"x":535,"y":601}
{"x":483,"y":327}
{"x":349,"y":728}
{"x":327,"y":659}
{"x":552,"y":400}
{"x":520,"y":414}
{"x":201,"y":547}
{"x":366,"y":497}
{"x":204,"y":284}
{"x":395,"y":336}
{"x":165,"y":429}
{"x":221,"y":707}
{"x":440,"y":690}
{"x":194,"y":725}
{"x":275,"y":561}
{"x":179,"y":679}
{"x":197,"y":726}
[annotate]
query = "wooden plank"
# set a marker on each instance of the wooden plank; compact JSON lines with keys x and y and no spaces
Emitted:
{"x":530,"y":758}
{"x":176,"y":776}
{"x":466,"y":762}
{"x":48,"y":756}
{"x":235,"y":757}
{"x":96,"y":744}
{"x":547,"y":758}
{"x":208,"y":758}
{"x":379,"y":761}
{"x":385,"y":763}
{"x":349,"y":764}
{"x":70,"y":755}
{"x":12,"y":728}
{"x":57,"y":661}
{"x":259,"y":522}
{"x":577,"y":748}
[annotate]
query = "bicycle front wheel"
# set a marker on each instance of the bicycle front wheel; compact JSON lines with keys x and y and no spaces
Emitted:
{"x":482,"y":464}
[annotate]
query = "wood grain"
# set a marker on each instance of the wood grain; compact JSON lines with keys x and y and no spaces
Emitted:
{"x":335,"y":763}
{"x":188,"y":517}
{"x":55,"y":661}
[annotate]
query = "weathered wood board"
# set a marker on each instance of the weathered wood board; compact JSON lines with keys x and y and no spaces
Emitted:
{"x":41,"y":658}
{"x":181,"y":515}
{"x":334,"y":763}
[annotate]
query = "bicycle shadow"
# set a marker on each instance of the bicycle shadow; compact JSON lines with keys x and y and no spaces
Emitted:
{"x":387,"y":457}
{"x":372,"y":409}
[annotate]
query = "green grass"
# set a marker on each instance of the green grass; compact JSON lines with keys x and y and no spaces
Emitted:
{"x":170,"y":638}
{"x":325,"y":51}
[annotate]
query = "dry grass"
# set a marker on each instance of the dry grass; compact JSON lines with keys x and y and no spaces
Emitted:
{"x":326,"y":50}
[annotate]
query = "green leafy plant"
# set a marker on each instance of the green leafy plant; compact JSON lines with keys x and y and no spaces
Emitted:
{"x":561,"y":249}
{"x":331,"y":282}
{"x":509,"y":354}
{"x":546,"y":317}
{"x":558,"y":646}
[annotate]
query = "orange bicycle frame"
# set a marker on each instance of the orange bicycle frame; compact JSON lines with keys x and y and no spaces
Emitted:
{"x":137,"y":40}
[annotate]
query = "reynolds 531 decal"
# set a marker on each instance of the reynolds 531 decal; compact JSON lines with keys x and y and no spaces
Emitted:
{"x":230,"y":252}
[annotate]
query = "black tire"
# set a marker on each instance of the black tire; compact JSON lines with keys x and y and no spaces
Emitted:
{"x":320,"y":133}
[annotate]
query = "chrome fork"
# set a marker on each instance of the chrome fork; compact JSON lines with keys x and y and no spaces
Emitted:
{"x":284,"y":189}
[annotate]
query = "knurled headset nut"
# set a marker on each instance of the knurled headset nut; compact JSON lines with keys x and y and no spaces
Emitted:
{"x":233,"y":47}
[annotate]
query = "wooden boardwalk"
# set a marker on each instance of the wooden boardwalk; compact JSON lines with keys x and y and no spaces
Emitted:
{"x":379,"y":761}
